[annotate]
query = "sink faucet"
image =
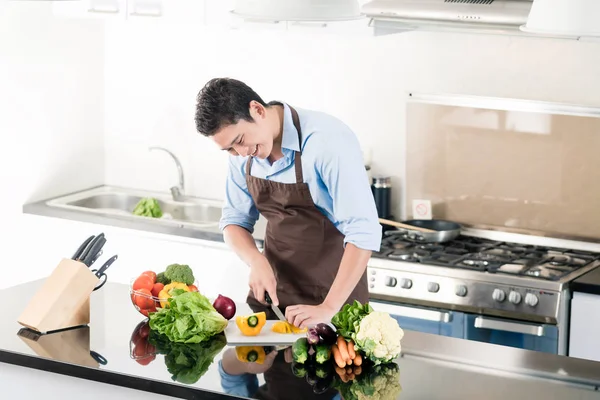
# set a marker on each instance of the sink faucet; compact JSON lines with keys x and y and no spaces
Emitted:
{"x":178,"y":192}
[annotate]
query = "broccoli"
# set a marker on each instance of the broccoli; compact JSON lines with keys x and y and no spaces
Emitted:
{"x":148,"y":207}
{"x":180,"y":273}
{"x":161,"y":278}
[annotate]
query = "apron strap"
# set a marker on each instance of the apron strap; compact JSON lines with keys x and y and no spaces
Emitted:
{"x":297,"y":154}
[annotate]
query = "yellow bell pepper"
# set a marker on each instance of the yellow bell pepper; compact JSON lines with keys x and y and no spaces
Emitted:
{"x":286,"y":327}
{"x":166,"y":292}
{"x":252,"y":324}
{"x":254,"y":354}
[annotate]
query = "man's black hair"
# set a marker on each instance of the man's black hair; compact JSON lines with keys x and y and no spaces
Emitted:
{"x":222,"y":102}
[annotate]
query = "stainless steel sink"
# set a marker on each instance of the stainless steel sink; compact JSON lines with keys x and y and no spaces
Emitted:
{"x":121,"y":202}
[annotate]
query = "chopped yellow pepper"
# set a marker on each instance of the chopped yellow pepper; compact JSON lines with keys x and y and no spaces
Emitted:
{"x":254,"y":354}
{"x":252,"y":324}
{"x":286,"y":327}
{"x":166,"y":292}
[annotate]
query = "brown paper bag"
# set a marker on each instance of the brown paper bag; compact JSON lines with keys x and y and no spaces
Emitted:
{"x":63,"y":301}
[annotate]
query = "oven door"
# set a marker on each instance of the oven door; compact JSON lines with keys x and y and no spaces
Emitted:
{"x":507,"y":332}
{"x":426,"y":320}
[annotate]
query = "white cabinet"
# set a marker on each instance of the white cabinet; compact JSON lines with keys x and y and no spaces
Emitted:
{"x":109,"y":9}
{"x":94,"y":9}
{"x":585,"y":326}
{"x":358,"y":27}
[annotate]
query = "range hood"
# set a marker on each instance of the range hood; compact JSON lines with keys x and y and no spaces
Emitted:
{"x":485,"y":16}
{"x":298,"y":10}
{"x":572,"y":19}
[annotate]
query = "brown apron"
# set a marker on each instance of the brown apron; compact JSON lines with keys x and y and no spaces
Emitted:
{"x":302,"y":245}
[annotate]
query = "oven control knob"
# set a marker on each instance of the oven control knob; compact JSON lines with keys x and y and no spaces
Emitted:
{"x":498,"y":295}
{"x":405,"y":283}
{"x":531,"y":299}
{"x":514,"y":297}
{"x":433,"y":287}
{"x":461,"y":290}
{"x":390,"y":281}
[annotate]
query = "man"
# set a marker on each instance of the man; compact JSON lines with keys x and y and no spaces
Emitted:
{"x":303,"y":171}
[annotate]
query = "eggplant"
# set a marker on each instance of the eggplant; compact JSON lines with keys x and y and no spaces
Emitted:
{"x":326,"y":333}
{"x":312,"y":336}
{"x":298,"y":369}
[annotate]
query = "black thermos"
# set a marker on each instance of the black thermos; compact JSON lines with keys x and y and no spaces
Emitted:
{"x":382,"y":192}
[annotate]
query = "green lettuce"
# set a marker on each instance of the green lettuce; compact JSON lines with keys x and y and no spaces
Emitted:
{"x":347,"y":320}
{"x":189,"y":318}
{"x":188,"y":362}
{"x":148,"y":207}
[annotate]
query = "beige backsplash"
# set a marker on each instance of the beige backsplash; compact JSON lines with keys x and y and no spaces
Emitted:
{"x":512,"y":170}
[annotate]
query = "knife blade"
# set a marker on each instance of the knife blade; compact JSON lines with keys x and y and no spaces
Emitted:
{"x":275,"y":309}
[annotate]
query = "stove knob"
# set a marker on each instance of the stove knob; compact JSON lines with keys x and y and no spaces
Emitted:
{"x":514,"y":297}
{"x":498,"y":295}
{"x":461,"y":290}
{"x":531,"y":299}
{"x":405,"y":283}
{"x":390,"y":281}
{"x":433,"y":287}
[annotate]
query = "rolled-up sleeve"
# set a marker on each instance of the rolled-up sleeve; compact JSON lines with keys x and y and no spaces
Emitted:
{"x":238,"y":208}
{"x":342,"y":171}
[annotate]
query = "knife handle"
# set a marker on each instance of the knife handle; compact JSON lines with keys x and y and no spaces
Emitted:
{"x":268,"y":298}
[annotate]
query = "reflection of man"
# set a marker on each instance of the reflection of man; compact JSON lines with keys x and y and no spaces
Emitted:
{"x":239,"y":378}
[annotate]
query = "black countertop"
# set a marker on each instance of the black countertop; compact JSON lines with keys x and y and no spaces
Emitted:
{"x":587,"y":283}
{"x":431,"y":366}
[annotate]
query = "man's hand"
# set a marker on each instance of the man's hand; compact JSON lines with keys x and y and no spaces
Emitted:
{"x":303,"y":316}
{"x":262,"y":279}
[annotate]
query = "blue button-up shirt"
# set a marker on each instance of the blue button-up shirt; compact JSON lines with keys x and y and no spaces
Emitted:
{"x":333,"y":168}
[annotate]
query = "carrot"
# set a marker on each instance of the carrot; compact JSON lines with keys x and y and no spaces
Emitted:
{"x":341,"y":343}
{"x":348,"y":371}
{"x":351,"y":351}
{"x":358,"y":360}
{"x":357,"y":371}
{"x":349,"y":362}
{"x":335,"y":351}
{"x":340,"y":371}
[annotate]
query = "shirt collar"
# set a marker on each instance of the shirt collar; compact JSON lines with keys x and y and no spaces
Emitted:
{"x":289,"y":138}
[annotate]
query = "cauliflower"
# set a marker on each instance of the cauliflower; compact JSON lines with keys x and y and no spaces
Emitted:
{"x":379,"y":336}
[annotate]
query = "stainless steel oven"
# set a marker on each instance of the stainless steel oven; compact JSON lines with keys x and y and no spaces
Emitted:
{"x":486,"y":287}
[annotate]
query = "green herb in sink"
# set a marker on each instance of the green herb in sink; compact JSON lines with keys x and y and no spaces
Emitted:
{"x":148,"y":207}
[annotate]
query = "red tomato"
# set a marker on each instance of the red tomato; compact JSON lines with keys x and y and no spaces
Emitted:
{"x":151,"y":275}
{"x":193,"y":288}
{"x":143,"y":299}
{"x":157,"y":288}
{"x":143,"y":282}
{"x":144,"y":353}
{"x":144,"y":330}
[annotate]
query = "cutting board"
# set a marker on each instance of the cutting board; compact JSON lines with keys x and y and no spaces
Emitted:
{"x":266,"y":337}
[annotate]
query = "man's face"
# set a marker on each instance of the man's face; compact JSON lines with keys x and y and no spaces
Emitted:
{"x":247,"y":138}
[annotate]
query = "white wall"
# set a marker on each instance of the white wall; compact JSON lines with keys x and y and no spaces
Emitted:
{"x":153,"y":73}
{"x":51,"y":105}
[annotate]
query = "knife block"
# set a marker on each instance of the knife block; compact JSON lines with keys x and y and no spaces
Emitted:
{"x":63,"y":300}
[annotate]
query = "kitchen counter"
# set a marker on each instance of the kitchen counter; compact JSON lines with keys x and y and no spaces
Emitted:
{"x":588,"y":283}
{"x":460,"y":369}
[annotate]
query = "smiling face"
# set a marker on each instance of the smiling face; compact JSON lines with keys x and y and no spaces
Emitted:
{"x":246,"y":138}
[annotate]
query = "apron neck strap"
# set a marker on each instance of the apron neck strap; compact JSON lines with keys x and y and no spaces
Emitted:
{"x":297,"y":154}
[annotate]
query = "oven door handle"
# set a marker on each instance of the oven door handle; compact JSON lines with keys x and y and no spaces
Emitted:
{"x":409,"y":312}
{"x":515,"y":327}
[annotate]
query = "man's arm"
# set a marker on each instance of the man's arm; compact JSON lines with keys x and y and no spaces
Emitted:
{"x":340,"y":167}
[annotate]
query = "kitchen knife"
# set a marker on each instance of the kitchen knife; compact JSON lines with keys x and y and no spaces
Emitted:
{"x":93,"y":252}
{"x":82,"y":248}
{"x":105,"y":266}
{"x":275,"y":309}
{"x":87,"y":250}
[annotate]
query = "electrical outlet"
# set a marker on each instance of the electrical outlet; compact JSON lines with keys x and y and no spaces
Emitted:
{"x":421,"y":209}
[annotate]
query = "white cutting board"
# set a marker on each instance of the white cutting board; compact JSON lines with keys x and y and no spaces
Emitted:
{"x":266,"y":337}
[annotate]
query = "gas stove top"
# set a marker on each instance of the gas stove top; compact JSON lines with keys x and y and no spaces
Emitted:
{"x":481,"y":275}
{"x":473,"y":253}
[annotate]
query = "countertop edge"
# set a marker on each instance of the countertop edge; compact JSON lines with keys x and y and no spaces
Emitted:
{"x":109,"y":377}
{"x":587,"y":283}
